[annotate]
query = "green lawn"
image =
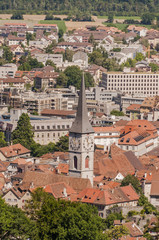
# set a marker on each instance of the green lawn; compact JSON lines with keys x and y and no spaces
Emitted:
{"x":121,"y":17}
{"x":120,"y":26}
{"x":60,"y":23}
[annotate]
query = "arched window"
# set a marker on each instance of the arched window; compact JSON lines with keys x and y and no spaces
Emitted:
{"x":75,"y":162}
{"x":87,"y":162}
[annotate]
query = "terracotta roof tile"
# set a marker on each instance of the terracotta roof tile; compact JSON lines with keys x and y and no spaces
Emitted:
{"x":59,"y":190}
{"x":63,"y":168}
{"x":134,"y":107}
{"x":14,"y":150}
{"x":41,"y":179}
{"x":53,"y":112}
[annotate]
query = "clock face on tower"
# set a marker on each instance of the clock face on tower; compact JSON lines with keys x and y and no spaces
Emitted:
{"x":88,"y":143}
{"x":75,"y":143}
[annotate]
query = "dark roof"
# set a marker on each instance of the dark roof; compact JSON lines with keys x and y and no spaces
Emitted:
{"x":133,"y":160}
{"x":81,"y":123}
{"x":154,"y":152}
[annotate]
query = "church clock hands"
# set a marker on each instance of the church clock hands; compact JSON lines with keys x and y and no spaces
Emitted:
{"x":75,"y":143}
{"x":88,"y":143}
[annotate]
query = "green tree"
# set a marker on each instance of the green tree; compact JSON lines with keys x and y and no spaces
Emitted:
{"x":130,"y":63}
{"x":64,"y":219}
{"x":139,"y":56}
{"x":62,"y":144}
{"x":154,"y":67}
{"x":111,"y":217}
{"x":14,"y":224}
{"x":3,"y":143}
{"x":117,"y":232}
{"x":147,"y":18}
{"x":110,"y":18}
{"x":23,"y":133}
{"x":134,"y":182}
{"x":61,"y":80}
{"x":68,"y":55}
{"x":96,"y":57}
{"x":91,"y":39}
{"x":60,"y":33}
{"x":28,"y":86}
{"x":50,"y":63}
{"x":17,"y":15}
{"x":49,"y":48}
{"x":29,"y":37}
{"x":29,"y":63}
{"x":49,"y":16}
{"x":116,"y":113}
{"x":74,"y":76}
{"x":7,"y":54}
{"x":144,"y":42}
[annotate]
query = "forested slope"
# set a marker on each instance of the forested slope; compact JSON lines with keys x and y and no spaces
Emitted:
{"x":100,"y":7}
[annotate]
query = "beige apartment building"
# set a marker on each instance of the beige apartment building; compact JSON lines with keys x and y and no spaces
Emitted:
{"x":132,"y":83}
{"x":37,"y":102}
{"x":46,"y":131}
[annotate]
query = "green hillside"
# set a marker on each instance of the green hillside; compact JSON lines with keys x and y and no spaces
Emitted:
{"x":98,"y":7}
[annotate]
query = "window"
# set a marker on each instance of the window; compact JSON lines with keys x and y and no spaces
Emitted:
{"x":42,"y":127}
{"x":75,"y":162}
{"x":87,"y":162}
{"x":48,"y":127}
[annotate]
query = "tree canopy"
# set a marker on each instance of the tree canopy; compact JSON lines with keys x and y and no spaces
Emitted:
{"x":23,"y":133}
{"x":80,"y":8}
{"x":134,"y":182}
{"x":65,"y":220}
{"x":72,"y":76}
{"x":28,"y":63}
{"x":14,"y":224}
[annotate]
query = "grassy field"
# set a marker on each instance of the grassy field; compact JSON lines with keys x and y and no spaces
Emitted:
{"x":120,"y":26}
{"x":121,"y":17}
{"x":60,"y":23}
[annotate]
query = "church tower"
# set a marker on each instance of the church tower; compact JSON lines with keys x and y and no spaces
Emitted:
{"x":81,"y":141}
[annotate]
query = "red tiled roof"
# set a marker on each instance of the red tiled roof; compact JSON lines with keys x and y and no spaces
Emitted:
{"x":108,"y":197}
{"x":19,"y":161}
{"x":108,"y":129}
{"x":63,"y":168}
{"x":54,"y":112}
{"x":14,"y":150}
{"x":45,"y":25}
{"x":16,"y":24}
{"x":59,"y":190}
{"x":133,"y":107}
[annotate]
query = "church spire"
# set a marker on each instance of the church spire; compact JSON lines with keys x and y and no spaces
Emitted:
{"x":81,"y":123}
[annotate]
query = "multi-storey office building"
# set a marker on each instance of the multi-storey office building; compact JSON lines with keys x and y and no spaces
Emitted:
{"x":132,"y":83}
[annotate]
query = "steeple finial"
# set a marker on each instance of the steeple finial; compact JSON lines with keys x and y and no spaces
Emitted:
{"x":81,"y":123}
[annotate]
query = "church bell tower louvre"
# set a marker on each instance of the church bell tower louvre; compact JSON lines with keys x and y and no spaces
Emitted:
{"x":81,"y":141}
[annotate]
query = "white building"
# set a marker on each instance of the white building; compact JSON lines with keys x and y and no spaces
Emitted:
{"x":132,"y":83}
{"x":8,"y":70}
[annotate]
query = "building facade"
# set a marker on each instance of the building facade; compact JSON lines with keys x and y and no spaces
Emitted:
{"x":132,"y":83}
